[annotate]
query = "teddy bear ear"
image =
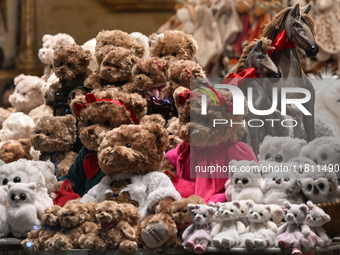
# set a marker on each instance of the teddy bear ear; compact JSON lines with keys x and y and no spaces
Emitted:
{"x":287,"y":205}
{"x":250,"y":203}
{"x":26,"y":143}
{"x":178,"y":97}
{"x":193,"y":46}
{"x":75,"y":103}
{"x":19,"y":78}
{"x":303,"y":208}
{"x":310,"y":205}
{"x":267,"y":207}
{"x":326,"y":217}
{"x":153,"y":118}
{"x":162,"y":137}
{"x":47,"y":37}
{"x":32,"y":185}
{"x":237,"y":204}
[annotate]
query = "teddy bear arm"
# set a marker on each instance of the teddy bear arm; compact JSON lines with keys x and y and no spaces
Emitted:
{"x":66,"y":163}
{"x":188,"y":231}
{"x":93,"y":81}
{"x":283,"y":228}
{"x":305,"y":230}
{"x":127,"y":230}
{"x":322,"y":234}
{"x":272,"y":226}
{"x":240,"y":227}
{"x":129,"y":87}
{"x":216,"y":229}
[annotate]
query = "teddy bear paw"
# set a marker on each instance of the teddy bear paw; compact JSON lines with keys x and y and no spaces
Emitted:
{"x":226,"y":243}
{"x":249,"y":243}
{"x":217,"y":243}
{"x":128,"y":246}
{"x":199,"y":249}
{"x":63,"y":244}
{"x":190,"y":245}
{"x":30,"y":246}
{"x":155,"y":234}
{"x":260,"y":244}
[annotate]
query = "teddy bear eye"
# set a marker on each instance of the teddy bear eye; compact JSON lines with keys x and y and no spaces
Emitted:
{"x":271,"y":219}
{"x":47,"y":134}
{"x":204,"y":215}
{"x":245,"y":181}
{"x":107,"y":211}
{"x":107,"y":123}
{"x":105,"y":44}
{"x":4,"y":182}
{"x":72,"y":214}
{"x":242,"y":211}
{"x":13,"y":197}
{"x":148,"y":74}
{"x":178,"y":210}
{"x":18,"y":91}
{"x":69,"y":64}
{"x":24,"y":94}
{"x":268,"y":156}
{"x":61,"y":64}
{"x":324,"y":156}
{"x":89,"y":123}
{"x":185,"y":211}
{"x":295,"y":215}
{"x":174,"y":54}
{"x":161,"y":55}
{"x":232,"y":210}
{"x":128,"y":145}
{"x":54,"y":214}
{"x":278,"y":158}
{"x":16,"y":179}
{"x":286,"y":179}
{"x":261,"y":214}
{"x":321,"y":186}
{"x":22,"y":196}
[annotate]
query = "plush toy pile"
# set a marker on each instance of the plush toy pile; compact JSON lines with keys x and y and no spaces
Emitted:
{"x":101,"y":152}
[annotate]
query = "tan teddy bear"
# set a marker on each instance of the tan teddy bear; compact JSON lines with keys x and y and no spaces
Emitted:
{"x":114,"y":71}
{"x":108,"y":39}
{"x":70,"y":65}
{"x":172,"y":45}
{"x":13,"y":150}
{"x":55,"y":137}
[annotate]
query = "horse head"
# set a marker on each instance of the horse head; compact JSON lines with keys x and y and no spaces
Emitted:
{"x":300,"y":30}
{"x":260,"y":60}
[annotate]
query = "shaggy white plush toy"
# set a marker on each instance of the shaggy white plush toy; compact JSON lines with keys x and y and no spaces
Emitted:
{"x":16,"y":126}
{"x":323,"y":151}
{"x":23,"y":210}
{"x":28,"y":93}
{"x":144,"y":40}
{"x":91,"y":45}
{"x":280,"y":149}
{"x":26,"y":171}
{"x":245,"y":183}
{"x":226,"y":234}
{"x":261,"y":232}
{"x":4,"y":226}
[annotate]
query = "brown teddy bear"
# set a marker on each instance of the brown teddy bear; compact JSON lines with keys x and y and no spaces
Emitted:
{"x":97,"y":114}
{"x":40,"y":239}
{"x":114,"y":71}
{"x":172,"y":45}
{"x":108,"y":39}
{"x":55,"y":137}
{"x":132,"y":168}
{"x":70,"y":65}
{"x":13,"y":150}
{"x":119,"y":223}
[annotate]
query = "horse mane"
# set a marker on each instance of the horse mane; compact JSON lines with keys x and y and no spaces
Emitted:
{"x":270,"y":29}
{"x":265,"y":46}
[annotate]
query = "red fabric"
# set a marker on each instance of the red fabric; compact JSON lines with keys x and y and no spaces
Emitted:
{"x":91,"y":166}
{"x":244,"y":35}
{"x":182,"y":98}
{"x":64,"y":195}
{"x":236,"y":79}
{"x":105,"y":227}
{"x":281,"y":43}
{"x":90,"y":98}
{"x":210,"y":189}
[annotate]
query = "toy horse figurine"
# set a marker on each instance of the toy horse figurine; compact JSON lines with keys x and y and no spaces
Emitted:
{"x":291,"y":28}
{"x":255,"y":63}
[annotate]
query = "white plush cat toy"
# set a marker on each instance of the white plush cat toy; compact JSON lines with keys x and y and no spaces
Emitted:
{"x":22,"y":208}
{"x":226,"y":233}
{"x":261,"y":232}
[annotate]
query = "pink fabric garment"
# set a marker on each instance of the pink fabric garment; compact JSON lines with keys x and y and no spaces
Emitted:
{"x":210,"y":189}
{"x":296,"y":239}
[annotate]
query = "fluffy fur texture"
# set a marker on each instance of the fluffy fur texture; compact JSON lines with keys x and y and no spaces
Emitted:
{"x":4,"y":226}
{"x":280,"y":149}
{"x":201,"y":130}
{"x":276,"y":214}
{"x":90,"y":45}
{"x":114,"y":70}
{"x":226,"y":233}
{"x":261,"y":232}
{"x":46,"y":52}
{"x":28,"y":93}
{"x":107,"y":39}
{"x":172,"y":126}
{"x":294,"y":232}
{"x":23,"y":211}
{"x":282,"y":186}
{"x":144,"y":40}
{"x":39,"y":239}
{"x":320,"y":186}
{"x":197,"y":236}
{"x":245,"y":185}
{"x":24,"y":171}
{"x":13,"y":150}
{"x":4,"y":114}
{"x":17,"y":125}
{"x":316,"y":218}
{"x":173,"y":44}
{"x":323,"y":150}
{"x":180,"y":73}
{"x":56,"y":135}
{"x":100,"y":117}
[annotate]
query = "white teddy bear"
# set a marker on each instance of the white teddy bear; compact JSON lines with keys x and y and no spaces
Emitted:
{"x":226,"y":233}
{"x":23,"y":211}
{"x":91,"y":46}
{"x":245,"y":183}
{"x":28,"y":93}
{"x":26,"y":171}
{"x":16,"y":126}
{"x":4,"y":226}
{"x":280,"y":149}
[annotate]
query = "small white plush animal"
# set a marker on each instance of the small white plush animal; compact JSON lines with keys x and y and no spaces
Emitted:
{"x":316,"y":218}
{"x":261,"y":232}
{"x":276,"y":214}
{"x":245,"y":184}
{"x":22,"y":210}
{"x":16,"y":126}
{"x":323,"y":151}
{"x":280,"y":149}
{"x":282,"y":186}
{"x":320,"y":186}
{"x":226,"y":234}
{"x":4,"y":226}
